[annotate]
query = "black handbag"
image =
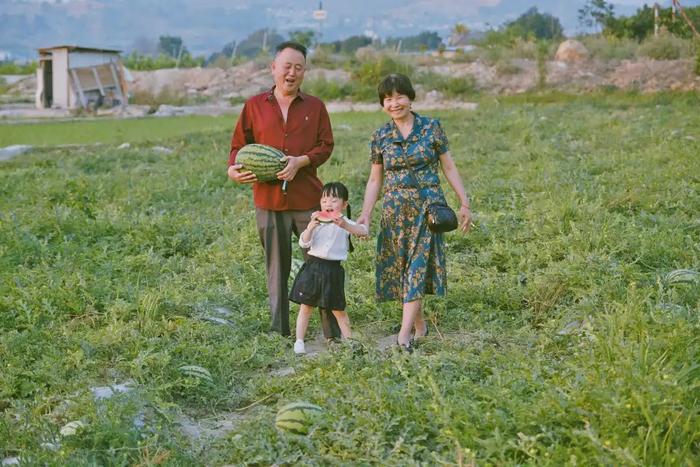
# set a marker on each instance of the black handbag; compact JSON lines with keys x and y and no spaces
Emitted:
{"x":441,"y":217}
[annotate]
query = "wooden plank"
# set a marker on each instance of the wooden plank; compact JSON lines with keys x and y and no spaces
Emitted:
{"x":97,"y":80}
{"x":118,"y":87}
{"x":122,"y":82}
{"x":76,"y":83}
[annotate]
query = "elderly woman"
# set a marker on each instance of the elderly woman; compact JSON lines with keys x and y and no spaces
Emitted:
{"x":405,"y":154}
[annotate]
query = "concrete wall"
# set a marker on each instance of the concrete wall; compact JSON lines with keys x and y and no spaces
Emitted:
{"x":38,"y":101}
{"x":61,"y":84}
{"x":81,"y":59}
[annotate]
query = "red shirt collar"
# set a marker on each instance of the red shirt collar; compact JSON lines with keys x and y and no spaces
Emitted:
{"x":271,"y":94}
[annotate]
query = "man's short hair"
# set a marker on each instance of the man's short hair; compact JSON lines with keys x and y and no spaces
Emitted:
{"x":395,"y":82}
{"x":291,"y":45}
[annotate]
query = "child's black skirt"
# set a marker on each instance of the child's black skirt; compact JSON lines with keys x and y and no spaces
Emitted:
{"x":320,"y":283}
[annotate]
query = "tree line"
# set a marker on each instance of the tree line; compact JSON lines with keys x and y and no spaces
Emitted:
{"x":596,"y":16}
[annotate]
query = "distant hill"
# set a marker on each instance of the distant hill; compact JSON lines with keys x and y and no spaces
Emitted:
{"x":206,"y":25}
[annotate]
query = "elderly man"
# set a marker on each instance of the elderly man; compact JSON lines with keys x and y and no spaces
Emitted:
{"x":297,"y":124}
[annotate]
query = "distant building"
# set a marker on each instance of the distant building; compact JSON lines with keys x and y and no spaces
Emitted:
{"x":70,"y":77}
{"x":453,"y":51}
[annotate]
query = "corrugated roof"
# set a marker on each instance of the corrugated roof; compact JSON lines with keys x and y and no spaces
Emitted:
{"x":77,"y":48}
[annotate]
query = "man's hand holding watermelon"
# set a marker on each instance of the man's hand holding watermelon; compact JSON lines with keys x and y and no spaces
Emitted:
{"x":294,"y":164}
{"x":241,"y":176}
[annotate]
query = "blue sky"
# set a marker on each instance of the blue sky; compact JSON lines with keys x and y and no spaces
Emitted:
{"x":206,"y":25}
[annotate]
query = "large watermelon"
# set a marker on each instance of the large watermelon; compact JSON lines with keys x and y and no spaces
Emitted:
{"x":264,"y":161}
{"x":297,"y":417}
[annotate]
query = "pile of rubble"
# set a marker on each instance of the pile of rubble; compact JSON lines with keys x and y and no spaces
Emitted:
{"x":573,"y":70}
{"x":238,"y":82}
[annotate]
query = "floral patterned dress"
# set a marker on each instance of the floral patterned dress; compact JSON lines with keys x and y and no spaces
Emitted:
{"x":410,"y":258}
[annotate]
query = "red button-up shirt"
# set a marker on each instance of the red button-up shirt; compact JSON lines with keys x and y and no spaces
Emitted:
{"x":307,"y":132}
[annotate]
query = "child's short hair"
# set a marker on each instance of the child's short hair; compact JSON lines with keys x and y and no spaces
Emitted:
{"x":335,"y":189}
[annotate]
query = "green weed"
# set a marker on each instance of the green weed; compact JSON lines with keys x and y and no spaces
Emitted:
{"x":559,"y":342}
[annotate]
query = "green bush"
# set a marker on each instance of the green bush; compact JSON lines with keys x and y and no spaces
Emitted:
{"x":236,"y":100}
{"x":323,"y":56}
{"x":495,"y":49}
{"x":543,"y":54}
{"x":367,"y":75}
{"x":11,"y":68}
{"x":492,"y":54}
{"x":462,"y":56}
{"x":460,"y":87}
{"x":610,"y":48}
{"x":454,"y":87}
{"x":372,"y":71}
{"x":430,"y":80}
{"x":507,"y":68}
{"x":136,"y":61}
{"x":522,"y":48}
{"x":665,"y":47}
{"x":697,"y":61}
{"x":327,"y":89}
{"x":165,"y":96}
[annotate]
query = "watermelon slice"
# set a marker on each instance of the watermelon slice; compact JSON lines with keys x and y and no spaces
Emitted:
{"x":331,"y":215}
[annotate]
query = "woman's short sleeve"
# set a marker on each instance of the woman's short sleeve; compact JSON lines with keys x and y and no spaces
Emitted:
{"x":440,"y":139}
{"x":375,"y":150}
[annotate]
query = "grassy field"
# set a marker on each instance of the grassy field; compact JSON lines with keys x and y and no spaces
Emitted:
{"x":561,"y":340}
{"x":114,"y":131}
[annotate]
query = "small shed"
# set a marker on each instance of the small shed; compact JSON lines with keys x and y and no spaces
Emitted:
{"x":70,"y":77}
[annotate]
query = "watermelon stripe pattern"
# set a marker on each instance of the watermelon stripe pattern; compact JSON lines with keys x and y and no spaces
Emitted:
{"x":297,"y":417}
{"x":196,"y":372}
{"x":264,"y":161}
{"x":682,"y":276}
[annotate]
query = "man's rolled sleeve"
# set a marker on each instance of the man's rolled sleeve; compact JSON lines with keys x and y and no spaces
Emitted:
{"x":239,"y":139}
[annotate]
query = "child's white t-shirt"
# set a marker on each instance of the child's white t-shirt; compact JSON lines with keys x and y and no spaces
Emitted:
{"x":328,"y":241}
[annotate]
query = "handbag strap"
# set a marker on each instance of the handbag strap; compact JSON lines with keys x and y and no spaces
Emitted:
{"x":413,"y":173}
{"x":415,"y":178}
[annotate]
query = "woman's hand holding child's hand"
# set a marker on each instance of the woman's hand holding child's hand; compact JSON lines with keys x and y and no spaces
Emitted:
{"x":358,"y":229}
{"x":364,"y":221}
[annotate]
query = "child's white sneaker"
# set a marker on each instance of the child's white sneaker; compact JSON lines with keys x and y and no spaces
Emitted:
{"x":299,"y":347}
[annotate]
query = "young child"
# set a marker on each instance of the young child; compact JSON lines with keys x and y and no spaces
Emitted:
{"x":321,"y":280}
